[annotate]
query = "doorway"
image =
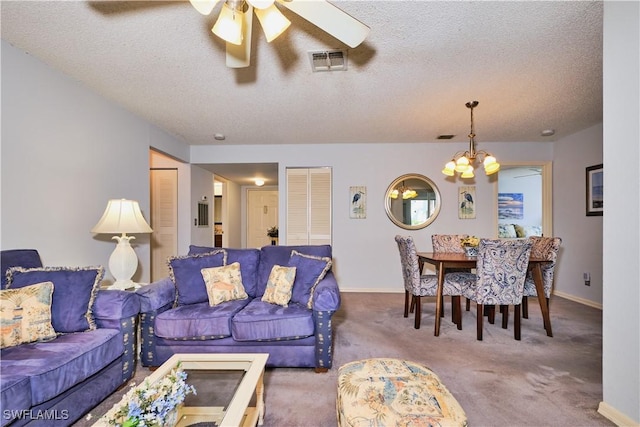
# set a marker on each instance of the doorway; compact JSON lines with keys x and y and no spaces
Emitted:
{"x":516,"y":181}
{"x":262,"y":214}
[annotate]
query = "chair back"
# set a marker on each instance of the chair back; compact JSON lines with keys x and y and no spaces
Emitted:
{"x":501,"y":270}
{"x":409,"y":262}
{"x":546,"y":248}
{"x":449,"y":243}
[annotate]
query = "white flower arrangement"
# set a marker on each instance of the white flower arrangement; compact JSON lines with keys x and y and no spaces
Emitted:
{"x":150,"y":405}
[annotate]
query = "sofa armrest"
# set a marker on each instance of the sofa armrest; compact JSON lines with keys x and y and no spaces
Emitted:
{"x":119,"y":310}
{"x":155,"y":298}
{"x":111,"y":306}
{"x":156,"y":295}
{"x":326,"y":296}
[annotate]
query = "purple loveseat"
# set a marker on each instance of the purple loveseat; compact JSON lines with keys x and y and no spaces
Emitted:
{"x":176,"y":316}
{"x":90,"y":355}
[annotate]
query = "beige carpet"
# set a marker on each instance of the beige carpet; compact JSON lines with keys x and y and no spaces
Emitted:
{"x":539,"y":381}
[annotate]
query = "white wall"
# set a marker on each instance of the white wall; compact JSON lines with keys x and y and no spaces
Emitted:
{"x":65,"y":152}
{"x":621,"y":283}
{"x":201,"y":187}
{"x":581,"y":249}
{"x":365,"y":254}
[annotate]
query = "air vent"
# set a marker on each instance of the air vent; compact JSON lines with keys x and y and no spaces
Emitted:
{"x":328,"y":60}
{"x":445,"y":136}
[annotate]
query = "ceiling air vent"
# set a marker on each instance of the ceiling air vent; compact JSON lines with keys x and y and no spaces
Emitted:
{"x":445,"y":136}
{"x":328,"y":60}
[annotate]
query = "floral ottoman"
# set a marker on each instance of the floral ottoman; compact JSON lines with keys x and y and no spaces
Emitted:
{"x":392,"y":392}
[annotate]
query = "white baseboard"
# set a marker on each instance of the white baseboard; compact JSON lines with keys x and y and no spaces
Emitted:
{"x":578,"y":300}
{"x":395,"y":290}
{"x":374,"y":290}
{"x":615,"y":416}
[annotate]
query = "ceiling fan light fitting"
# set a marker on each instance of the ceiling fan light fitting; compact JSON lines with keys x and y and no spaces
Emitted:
{"x":273,"y":22}
{"x":229,"y":25}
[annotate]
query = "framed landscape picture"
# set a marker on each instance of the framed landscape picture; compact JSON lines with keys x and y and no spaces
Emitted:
{"x":510,"y":205}
{"x":595,"y":190}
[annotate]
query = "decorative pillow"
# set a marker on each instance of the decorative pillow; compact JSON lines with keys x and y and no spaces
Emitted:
{"x":74,"y":291}
{"x":224,"y":283}
{"x":520,"y":232}
{"x":25,"y":314}
{"x":310,"y":270}
{"x":279,"y":285}
{"x":506,"y":231}
{"x":186,"y":273}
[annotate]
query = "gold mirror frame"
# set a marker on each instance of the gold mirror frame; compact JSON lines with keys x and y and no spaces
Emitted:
{"x":396,"y":206}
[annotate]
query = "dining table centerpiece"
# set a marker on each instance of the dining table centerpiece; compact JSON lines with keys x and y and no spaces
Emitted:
{"x":153,"y":404}
{"x":470,"y":245}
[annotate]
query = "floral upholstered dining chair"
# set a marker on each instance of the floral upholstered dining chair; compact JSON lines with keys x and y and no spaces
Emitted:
{"x":451,"y":243}
{"x":417,"y":285}
{"x":501,"y":271}
{"x":546,"y":248}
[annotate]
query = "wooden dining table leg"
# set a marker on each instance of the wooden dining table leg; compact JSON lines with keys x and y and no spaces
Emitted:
{"x":537,"y":279}
{"x":439,"y":298}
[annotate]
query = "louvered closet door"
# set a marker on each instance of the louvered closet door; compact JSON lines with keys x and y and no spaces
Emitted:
{"x":164,"y":220}
{"x":308,"y":206}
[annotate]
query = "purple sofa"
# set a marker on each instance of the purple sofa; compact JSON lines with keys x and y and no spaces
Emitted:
{"x":92,"y":353}
{"x":176,"y":316}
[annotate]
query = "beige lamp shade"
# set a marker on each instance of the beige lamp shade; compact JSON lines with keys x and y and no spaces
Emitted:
{"x":122,"y":216}
{"x":229,"y":25}
{"x":204,"y":6}
{"x":273,"y":22}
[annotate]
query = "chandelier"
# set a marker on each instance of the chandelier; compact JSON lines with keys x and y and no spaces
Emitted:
{"x":462,"y":162}
{"x":403,"y":191}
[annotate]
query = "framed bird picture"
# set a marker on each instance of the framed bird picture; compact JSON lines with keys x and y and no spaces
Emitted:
{"x":358,"y":202}
{"x":467,"y":202}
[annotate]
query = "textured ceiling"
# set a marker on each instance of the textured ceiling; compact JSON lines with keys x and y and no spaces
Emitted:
{"x":531,"y":65}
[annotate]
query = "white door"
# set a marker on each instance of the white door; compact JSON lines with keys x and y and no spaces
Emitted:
{"x":164,"y":220}
{"x":262,"y":214}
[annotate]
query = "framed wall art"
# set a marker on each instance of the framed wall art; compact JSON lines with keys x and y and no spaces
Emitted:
{"x":467,"y":202}
{"x":595,"y":190}
{"x":358,"y":202}
{"x":510,"y":205}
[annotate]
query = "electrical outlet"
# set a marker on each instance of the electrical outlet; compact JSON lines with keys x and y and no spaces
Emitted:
{"x":587,"y":279}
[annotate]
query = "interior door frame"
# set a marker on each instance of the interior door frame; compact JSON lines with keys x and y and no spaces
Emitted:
{"x":547,"y":194}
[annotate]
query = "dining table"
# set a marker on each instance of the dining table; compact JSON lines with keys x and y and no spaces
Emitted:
{"x":449,"y":260}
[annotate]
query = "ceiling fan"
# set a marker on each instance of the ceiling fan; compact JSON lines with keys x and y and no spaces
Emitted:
{"x":234,"y":23}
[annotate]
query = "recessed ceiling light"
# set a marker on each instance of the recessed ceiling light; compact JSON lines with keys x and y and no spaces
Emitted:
{"x":259,"y":182}
{"x":548,"y":132}
{"x":219,"y":136}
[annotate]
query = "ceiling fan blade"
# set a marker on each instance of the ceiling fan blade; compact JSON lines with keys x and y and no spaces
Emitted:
{"x":239,"y":56}
{"x":329,"y":18}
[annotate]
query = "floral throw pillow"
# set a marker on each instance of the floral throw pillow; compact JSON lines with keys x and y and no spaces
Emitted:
{"x":280,"y":285}
{"x":223,"y":283}
{"x":25,"y":314}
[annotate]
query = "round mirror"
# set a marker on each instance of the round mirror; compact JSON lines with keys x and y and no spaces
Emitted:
{"x":412,"y":201}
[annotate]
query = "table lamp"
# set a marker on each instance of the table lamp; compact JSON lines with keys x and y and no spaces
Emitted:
{"x":122,"y":216}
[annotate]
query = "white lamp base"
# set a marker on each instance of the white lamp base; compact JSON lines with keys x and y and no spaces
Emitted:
{"x":123,"y":263}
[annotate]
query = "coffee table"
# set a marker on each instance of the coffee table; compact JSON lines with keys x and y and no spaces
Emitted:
{"x":226,"y":384}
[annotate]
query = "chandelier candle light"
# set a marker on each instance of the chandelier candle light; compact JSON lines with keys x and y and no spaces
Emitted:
{"x":462,"y":162}
{"x":122,"y":216}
